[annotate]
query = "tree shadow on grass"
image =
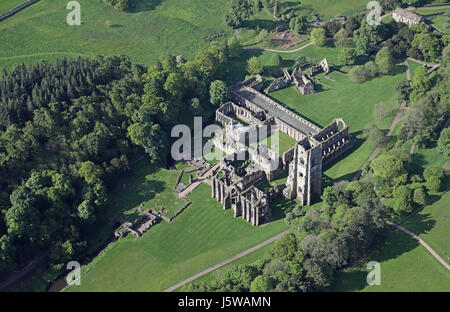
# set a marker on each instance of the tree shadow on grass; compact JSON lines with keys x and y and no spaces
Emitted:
{"x":357,"y":142}
{"x":399,"y":69}
{"x":287,"y":63}
{"x":143,"y":5}
{"x":361,"y":59}
{"x":280,"y":207}
{"x":144,"y":192}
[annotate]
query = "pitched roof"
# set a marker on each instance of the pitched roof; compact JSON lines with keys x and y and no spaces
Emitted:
{"x":408,"y":14}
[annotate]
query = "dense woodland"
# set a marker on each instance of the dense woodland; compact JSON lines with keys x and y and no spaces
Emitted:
{"x":68,"y":131}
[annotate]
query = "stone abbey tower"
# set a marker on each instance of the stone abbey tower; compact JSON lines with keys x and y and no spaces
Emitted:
{"x":305,"y":172}
{"x":242,"y":184}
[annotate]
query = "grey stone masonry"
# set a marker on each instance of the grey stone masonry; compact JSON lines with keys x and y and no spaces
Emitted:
{"x":404,"y":16}
{"x":236,"y":187}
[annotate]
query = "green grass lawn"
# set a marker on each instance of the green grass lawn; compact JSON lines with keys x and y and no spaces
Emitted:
{"x":154,"y":28}
{"x":284,"y":143}
{"x":351,"y":101}
{"x":441,"y":21}
{"x":328,"y":8}
{"x":431,"y":11}
{"x":152,"y":187}
{"x":203,"y":235}
{"x":406,"y":265}
{"x":216,"y":274}
{"x":433,"y":224}
{"x":413,"y":66}
{"x":171,"y":26}
{"x":6,"y":5}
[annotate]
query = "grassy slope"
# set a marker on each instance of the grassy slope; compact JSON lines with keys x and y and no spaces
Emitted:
{"x":329,"y":8}
{"x":350,"y":101}
{"x":6,"y":5}
{"x":442,"y":22}
{"x":248,"y":259}
{"x":154,"y":28}
{"x":147,"y":185}
{"x":285,"y":143}
{"x":406,"y":265}
{"x":430,"y":11}
{"x":41,"y":31}
{"x":201,"y":236}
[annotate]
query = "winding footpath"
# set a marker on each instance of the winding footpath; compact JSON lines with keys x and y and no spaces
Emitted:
{"x":279,"y":51}
{"x":221,"y":264}
{"x":391,"y":128}
{"x":422,"y":242}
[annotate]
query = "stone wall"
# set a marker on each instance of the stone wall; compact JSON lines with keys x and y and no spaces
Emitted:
{"x":334,"y":142}
{"x":243,"y":101}
{"x":278,"y":84}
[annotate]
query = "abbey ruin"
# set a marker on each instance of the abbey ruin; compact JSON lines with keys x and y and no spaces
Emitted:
{"x":303,"y":83}
{"x":247,"y":120}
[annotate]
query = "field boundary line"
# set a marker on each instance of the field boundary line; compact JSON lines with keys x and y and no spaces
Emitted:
{"x":422,"y":242}
{"x":227,"y":261}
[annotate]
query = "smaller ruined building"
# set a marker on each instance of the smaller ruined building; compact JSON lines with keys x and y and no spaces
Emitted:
{"x":302,"y":82}
{"x":235,"y":188}
{"x":404,"y":16}
{"x":140,"y":225}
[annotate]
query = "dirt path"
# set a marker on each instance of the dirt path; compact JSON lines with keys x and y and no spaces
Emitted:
{"x":203,"y":178}
{"x":421,"y":62}
{"x":421,"y":241}
{"x":239,"y":255}
{"x":15,"y":276}
{"x":280,"y":51}
{"x":391,"y":128}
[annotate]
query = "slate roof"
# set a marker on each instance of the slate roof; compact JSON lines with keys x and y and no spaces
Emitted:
{"x":263,"y":102}
{"x":409,"y":15}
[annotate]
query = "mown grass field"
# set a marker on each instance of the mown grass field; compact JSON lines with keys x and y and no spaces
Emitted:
{"x":433,"y":224}
{"x":327,"y":8}
{"x":431,"y":11}
{"x":156,"y":27}
{"x":203,"y":235}
{"x":413,"y":66}
{"x":406,"y":265}
{"x":6,"y":5}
